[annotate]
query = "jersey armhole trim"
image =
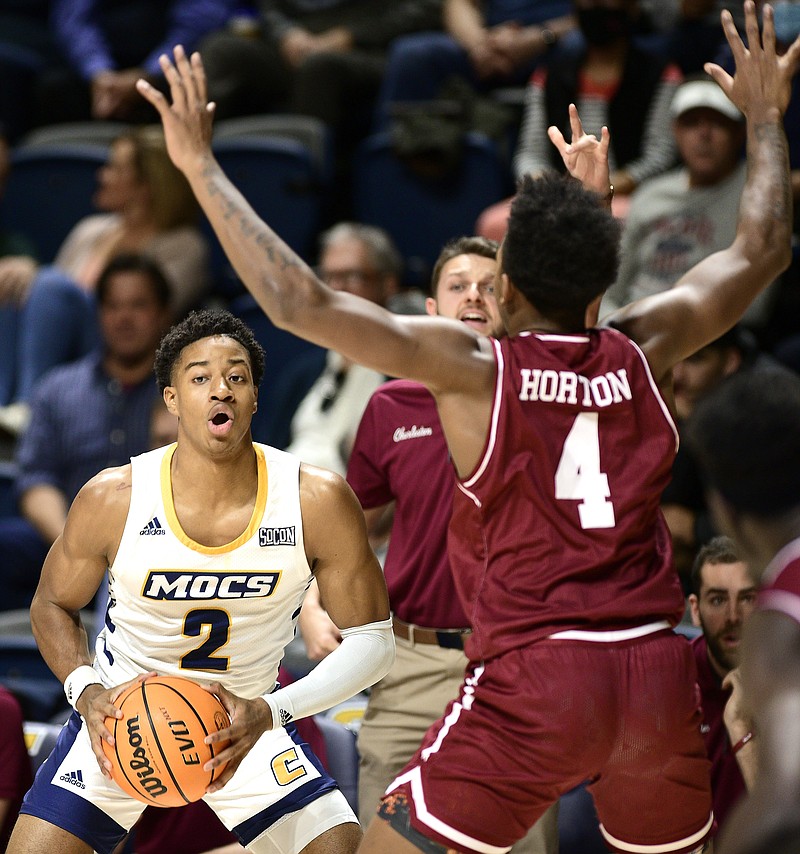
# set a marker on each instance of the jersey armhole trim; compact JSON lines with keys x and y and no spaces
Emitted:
{"x":495,"y":417}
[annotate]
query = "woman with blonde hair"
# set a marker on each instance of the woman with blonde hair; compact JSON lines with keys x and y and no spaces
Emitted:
{"x":47,"y":314}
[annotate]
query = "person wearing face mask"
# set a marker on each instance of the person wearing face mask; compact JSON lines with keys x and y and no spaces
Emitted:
{"x":486,"y":43}
{"x":614,"y":82}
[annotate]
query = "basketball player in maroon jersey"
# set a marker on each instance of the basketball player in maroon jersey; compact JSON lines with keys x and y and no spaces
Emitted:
{"x":562,"y":442}
{"x":747,"y":435}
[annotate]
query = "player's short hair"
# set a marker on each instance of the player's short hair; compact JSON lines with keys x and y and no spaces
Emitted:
{"x":717,"y":550}
{"x":469,"y":245}
{"x":561,"y":249}
{"x":746,"y":435}
{"x":205,"y":324}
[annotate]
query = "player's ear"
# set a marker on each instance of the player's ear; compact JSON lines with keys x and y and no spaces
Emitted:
{"x":506,"y":291}
{"x":170,"y":401}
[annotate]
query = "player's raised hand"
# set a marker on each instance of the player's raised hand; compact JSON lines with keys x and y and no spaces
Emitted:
{"x":763,"y":78}
{"x":187,"y":120}
{"x":585,"y":156}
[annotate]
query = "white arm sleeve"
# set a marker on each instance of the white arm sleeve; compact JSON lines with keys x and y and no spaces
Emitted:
{"x":364,"y":656}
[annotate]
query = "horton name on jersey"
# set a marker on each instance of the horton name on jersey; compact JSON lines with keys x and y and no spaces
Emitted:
{"x":179,"y":585}
{"x":569,"y":387}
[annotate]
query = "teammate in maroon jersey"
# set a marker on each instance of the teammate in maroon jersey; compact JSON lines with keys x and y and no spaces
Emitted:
{"x":561,"y":442}
{"x":747,"y":434}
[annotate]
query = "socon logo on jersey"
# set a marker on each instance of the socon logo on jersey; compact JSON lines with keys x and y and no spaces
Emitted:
{"x":276,"y":536}
{"x":180,"y":585}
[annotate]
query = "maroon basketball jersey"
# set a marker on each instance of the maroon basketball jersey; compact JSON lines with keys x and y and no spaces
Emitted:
{"x":559,"y":526}
{"x":400,"y":454}
{"x":780,"y":586}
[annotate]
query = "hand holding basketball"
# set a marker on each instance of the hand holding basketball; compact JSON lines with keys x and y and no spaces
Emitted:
{"x":249,"y":720}
{"x":160,"y":754}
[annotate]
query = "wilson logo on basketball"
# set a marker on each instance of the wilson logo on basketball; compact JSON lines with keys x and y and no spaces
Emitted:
{"x":139,"y":762}
{"x":159,"y":749}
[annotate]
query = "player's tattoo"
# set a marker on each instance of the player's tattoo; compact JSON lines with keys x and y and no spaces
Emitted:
{"x":249,"y":225}
{"x":771,"y":136}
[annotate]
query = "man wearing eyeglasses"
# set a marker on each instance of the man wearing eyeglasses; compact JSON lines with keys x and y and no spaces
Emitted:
{"x":318,"y":404}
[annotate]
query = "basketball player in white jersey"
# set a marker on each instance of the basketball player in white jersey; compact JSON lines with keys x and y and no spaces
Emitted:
{"x":210,"y":545}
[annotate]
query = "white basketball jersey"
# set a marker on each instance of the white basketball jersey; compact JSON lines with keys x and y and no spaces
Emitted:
{"x":221,"y":613}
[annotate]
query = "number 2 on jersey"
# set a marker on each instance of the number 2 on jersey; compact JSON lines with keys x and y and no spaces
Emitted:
{"x":216,"y":625}
{"x":578,"y":476}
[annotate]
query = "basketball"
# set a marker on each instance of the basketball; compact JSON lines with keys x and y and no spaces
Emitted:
{"x":159,"y":754}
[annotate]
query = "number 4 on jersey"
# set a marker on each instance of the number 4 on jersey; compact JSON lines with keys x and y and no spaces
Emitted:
{"x":578,"y":476}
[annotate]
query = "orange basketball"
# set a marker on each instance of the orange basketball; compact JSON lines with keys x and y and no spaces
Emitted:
{"x":159,"y":754}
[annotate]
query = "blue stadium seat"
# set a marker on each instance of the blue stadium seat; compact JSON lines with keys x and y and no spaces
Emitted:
{"x":422,"y":214}
{"x":24,"y":672}
{"x":340,"y":744}
{"x":282,"y":180}
{"x":49,"y":189}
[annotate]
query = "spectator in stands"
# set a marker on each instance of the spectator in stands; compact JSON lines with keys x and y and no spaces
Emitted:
{"x":614,"y":83}
{"x":677,"y":219}
{"x":323,"y":58}
{"x":47,"y":314}
{"x":27,"y":48}
{"x":86,"y":416}
{"x":683,"y":502}
{"x":723,"y":597}
{"x":109,"y":44}
{"x":15,"y":764}
{"x":316,"y":409}
{"x":696,"y":37}
{"x":489,"y":44}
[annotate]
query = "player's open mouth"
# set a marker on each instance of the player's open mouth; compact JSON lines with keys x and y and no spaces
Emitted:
{"x":220,"y":423}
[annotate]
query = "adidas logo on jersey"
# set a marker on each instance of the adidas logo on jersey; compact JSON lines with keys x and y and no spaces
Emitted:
{"x":152,"y":529}
{"x":74,"y":778}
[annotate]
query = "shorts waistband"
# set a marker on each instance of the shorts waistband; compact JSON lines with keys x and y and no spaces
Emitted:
{"x":446,"y":638}
{"x":612,"y":636}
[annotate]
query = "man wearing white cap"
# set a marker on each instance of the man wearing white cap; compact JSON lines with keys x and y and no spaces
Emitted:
{"x":678,"y":218}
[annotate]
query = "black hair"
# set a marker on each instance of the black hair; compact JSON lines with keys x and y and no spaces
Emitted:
{"x":468,"y":245}
{"x":205,"y":324}
{"x":746,"y":435}
{"x":717,"y":550}
{"x":133,"y":262}
{"x":562,"y":247}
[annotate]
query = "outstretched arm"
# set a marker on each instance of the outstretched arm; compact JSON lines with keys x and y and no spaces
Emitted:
{"x":434,"y":351}
{"x":711,"y":297}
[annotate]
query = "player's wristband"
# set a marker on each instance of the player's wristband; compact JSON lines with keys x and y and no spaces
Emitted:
{"x":747,"y":737}
{"x":78,"y":681}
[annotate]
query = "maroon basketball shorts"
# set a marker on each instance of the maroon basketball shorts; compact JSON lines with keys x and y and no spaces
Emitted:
{"x":538,"y":721}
